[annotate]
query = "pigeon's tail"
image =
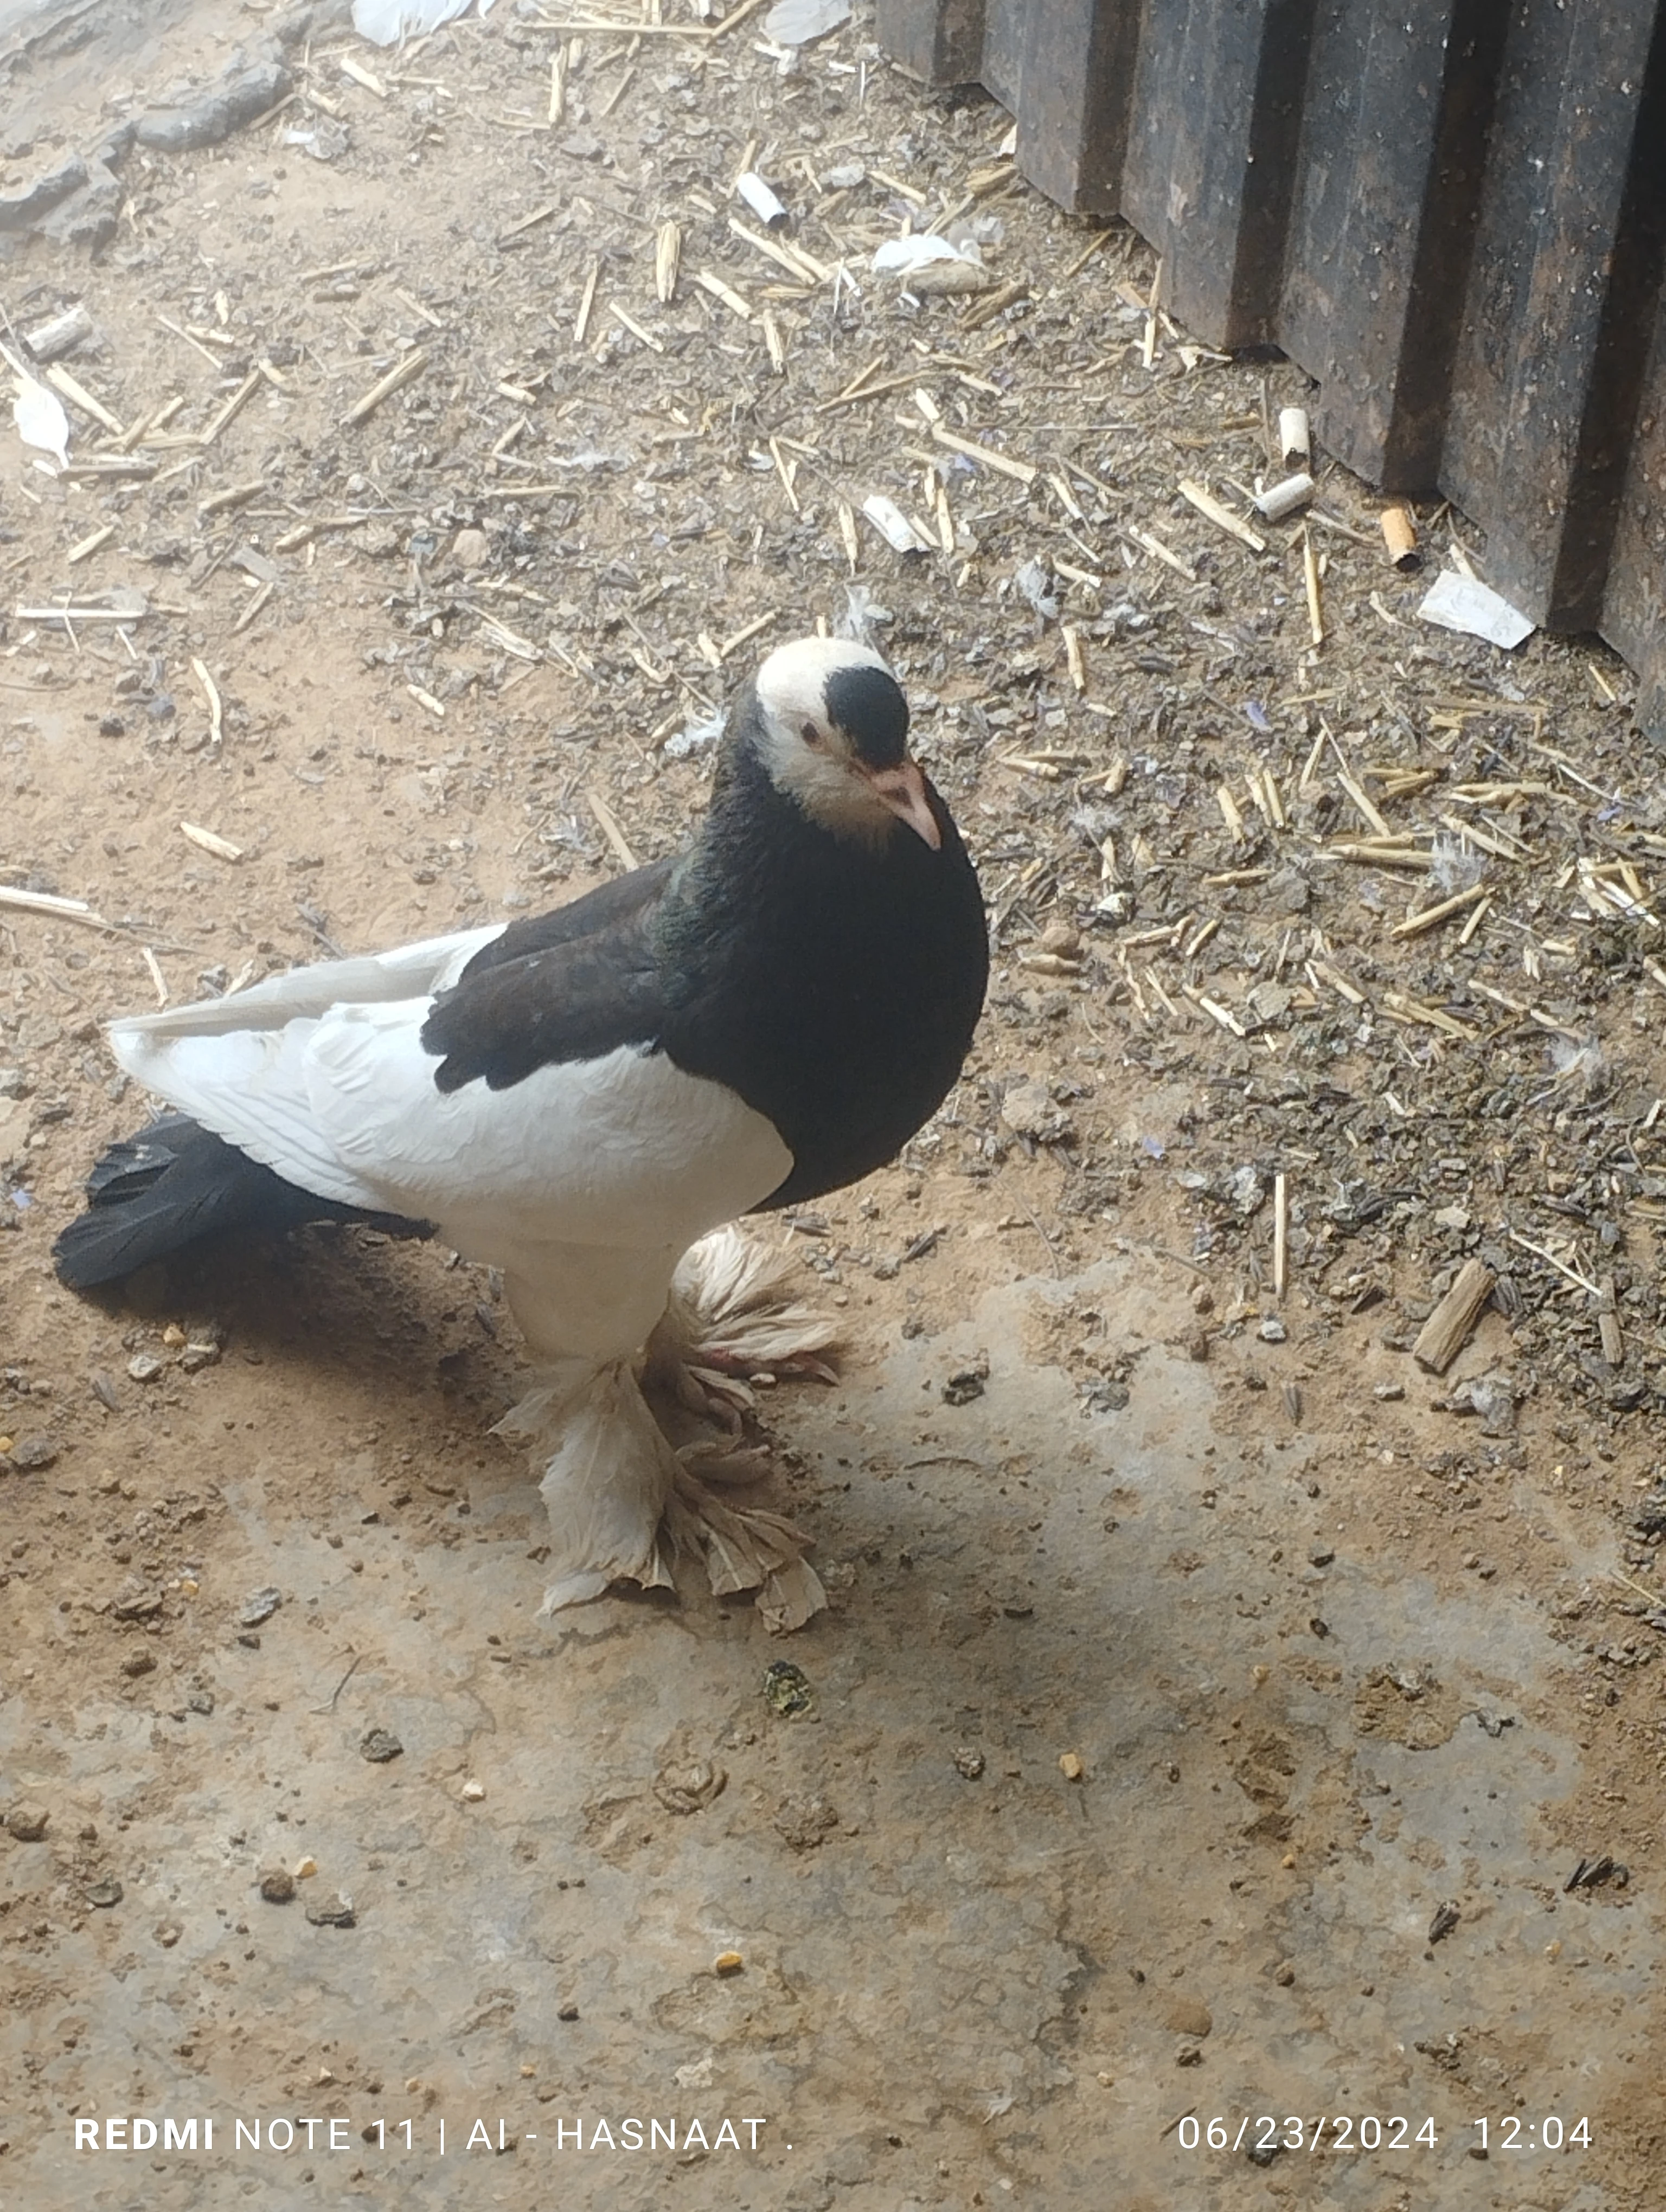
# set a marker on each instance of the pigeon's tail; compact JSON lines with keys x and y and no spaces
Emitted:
{"x":176,"y":1184}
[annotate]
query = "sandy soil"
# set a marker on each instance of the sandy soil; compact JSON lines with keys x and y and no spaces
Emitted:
{"x":1213,"y":1705}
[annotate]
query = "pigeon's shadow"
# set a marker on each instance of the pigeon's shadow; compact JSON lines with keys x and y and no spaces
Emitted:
{"x":345,"y":1310}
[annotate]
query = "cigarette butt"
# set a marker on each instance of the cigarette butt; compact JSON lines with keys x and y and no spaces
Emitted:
{"x":1281,"y":499}
{"x":1400,"y":536}
{"x":1295,"y":440}
{"x":761,"y":200}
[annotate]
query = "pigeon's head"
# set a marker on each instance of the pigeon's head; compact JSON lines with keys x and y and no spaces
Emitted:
{"x":831,"y":731}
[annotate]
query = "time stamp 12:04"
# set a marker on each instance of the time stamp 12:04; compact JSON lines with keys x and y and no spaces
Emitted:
{"x":1263,"y":2134}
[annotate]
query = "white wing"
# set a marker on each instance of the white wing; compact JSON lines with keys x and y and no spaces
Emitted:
{"x":408,"y":971}
{"x":238,"y":1064}
{"x":322,"y":1076}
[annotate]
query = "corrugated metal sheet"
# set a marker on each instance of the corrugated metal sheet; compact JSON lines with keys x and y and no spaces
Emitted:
{"x":1451,"y":214}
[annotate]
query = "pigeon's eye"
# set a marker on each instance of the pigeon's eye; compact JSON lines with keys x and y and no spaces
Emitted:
{"x":811,"y":734}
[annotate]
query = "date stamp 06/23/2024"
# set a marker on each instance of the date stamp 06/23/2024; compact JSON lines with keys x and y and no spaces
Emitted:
{"x":1264,"y":2136}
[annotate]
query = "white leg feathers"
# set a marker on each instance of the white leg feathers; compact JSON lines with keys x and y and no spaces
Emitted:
{"x":606,"y":1483}
{"x":622,"y":1503}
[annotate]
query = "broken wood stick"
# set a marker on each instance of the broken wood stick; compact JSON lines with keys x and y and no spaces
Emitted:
{"x":1415,"y":924}
{"x":1608,"y":1325}
{"x":1448,"y":1326}
{"x":399,"y":375}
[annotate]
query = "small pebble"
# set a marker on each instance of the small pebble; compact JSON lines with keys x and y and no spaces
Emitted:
{"x":1272,"y":1330}
{"x":332,"y":1912}
{"x":378,"y":1745}
{"x":144,"y":1366}
{"x":277,"y":1886}
{"x":259,"y":1606}
{"x":306,"y":1869}
{"x":1070,"y":1766}
{"x":29,"y":1454}
{"x":786,"y":1688}
{"x":106,"y":1893}
{"x":472,"y":1792}
{"x":26,"y":1823}
{"x":968,"y":1763}
{"x":728,"y":1962}
{"x":139,"y":1662}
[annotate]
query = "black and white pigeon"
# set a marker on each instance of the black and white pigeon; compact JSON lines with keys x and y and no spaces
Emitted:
{"x":580,"y":1098}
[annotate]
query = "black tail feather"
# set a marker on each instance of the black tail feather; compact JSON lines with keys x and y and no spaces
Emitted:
{"x":176,"y":1184}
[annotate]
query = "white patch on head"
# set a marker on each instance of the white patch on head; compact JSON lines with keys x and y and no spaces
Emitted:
{"x":808,"y":756}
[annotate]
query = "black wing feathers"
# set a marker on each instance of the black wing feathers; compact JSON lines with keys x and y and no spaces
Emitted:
{"x":593,"y":915}
{"x":575,"y":984}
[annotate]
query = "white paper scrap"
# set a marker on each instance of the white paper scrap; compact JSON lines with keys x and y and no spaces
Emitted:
{"x":1460,"y":603}
{"x":902,"y":256}
{"x":796,"y":22}
{"x":384,"y":23}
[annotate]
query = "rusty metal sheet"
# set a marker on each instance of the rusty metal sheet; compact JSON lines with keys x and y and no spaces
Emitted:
{"x":1548,"y":365}
{"x":1070,"y":65}
{"x":1217,"y":100}
{"x":1388,"y":187}
{"x":939,"y":41}
{"x":1634,"y":618}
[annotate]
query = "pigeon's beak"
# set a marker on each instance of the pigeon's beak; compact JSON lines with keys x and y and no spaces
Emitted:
{"x":902,"y":789}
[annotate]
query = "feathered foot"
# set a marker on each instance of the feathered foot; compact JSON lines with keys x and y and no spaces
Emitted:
{"x":733,"y":1315}
{"x":623,"y":1505}
{"x":607,"y":1480}
{"x":746,"y":1548}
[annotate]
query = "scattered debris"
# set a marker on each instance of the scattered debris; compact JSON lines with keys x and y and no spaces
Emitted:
{"x":1446,"y":1918}
{"x":1592,"y":1873}
{"x":260,"y":1605}
{"x":334,"y":1912}
{"x":787,"y":1690}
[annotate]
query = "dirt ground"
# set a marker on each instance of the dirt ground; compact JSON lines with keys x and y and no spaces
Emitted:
{"x":1219,"y":1715}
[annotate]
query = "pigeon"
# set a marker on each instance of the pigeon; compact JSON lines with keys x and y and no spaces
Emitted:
{"x":586,"y":1099}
